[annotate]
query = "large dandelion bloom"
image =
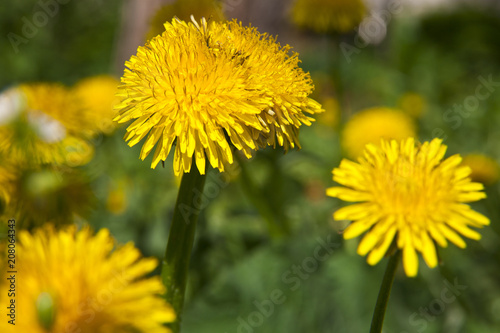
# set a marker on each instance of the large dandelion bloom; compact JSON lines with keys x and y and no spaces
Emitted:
{"x":71,"y":281}
{"x":371,"y":125}
{"x":44,"y":125}
{"x":209,"y":88}
{"x":407,"y":194}
{"x":328,"y":15}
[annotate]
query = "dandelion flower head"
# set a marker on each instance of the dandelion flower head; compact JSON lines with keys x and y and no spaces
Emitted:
{"x":209,"y":87}
{"x":407,"y":194}
{"x":328,"y":15}
{"x":76,"y":281}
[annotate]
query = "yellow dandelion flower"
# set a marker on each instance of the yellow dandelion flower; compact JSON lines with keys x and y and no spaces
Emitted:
{"x":96,"y":95}
{"x":209,"y":88}
{"x":371,"y":125}
{"x":74,"y":281}
{"x":183,"y":9}
{"x":484,"y":169}
{"x":410,"y":195}
{"x":413,"y":104}
{"x":44,"y":126}
{"x":328,"y":15}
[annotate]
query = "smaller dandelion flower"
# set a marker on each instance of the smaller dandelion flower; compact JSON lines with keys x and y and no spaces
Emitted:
{"x":96,"y":96}
{"x":413,"y":104}
{"x":371,"y":125}
{"x":484,"y":169}
{"x":77,"y":281}
{"x":409,"y":195}
{"x":210,"y":88}
{"x":328,"y":15}
{"x":183,"y":9}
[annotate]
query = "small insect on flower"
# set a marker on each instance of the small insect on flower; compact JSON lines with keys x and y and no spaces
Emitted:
{"x":408,"y":194}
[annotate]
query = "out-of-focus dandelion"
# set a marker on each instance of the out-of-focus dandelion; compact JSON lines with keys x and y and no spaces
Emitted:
{"x":96,"y":96}
{"x":413,"y":104}
{"x":74,"y":280}
{"x":116,"y":203}
{"x":43,"y":124}
{"x":183,"y":9}
{"x":408,"y":195}
{"x":331,"y":116}
{"x":371,"y":125}
{"x":324,"y":16}
{"x":484,"y":169}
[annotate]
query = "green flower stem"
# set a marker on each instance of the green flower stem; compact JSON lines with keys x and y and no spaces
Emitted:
{"x":384,"y":293}
{"x":257,"y":198}
{"x":180,"y":242}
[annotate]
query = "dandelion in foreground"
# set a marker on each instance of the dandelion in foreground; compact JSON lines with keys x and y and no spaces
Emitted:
{"x":328,"y":15}
{"x":371,"y":125}
{"x":74,"y":281}
{"x":409,"y":195}
{"x":209,"y":87}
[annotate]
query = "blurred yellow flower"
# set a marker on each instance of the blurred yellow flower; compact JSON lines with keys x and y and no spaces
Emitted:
{"x":183,"y":9}
{"x":8,"y":177}
{"x":413,"y":104}
{"x":44,"y":126}
{"x":209,"y":88}
{"x":407,"y":194}
{"x":116,"y":202}
{"x":371,"y":125}
{"x":74,"y":281}
{"x":328,"y":15}
{"x":484,"y":169}
{"x":96,"y":95}
{"x":331,"y":115}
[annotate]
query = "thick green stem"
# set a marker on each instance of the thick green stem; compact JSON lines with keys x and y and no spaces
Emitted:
{"x":384,"y":293}
{"x":180,"y":241}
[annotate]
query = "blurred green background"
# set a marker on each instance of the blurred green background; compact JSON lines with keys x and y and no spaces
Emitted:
{"x":237,"y":266}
